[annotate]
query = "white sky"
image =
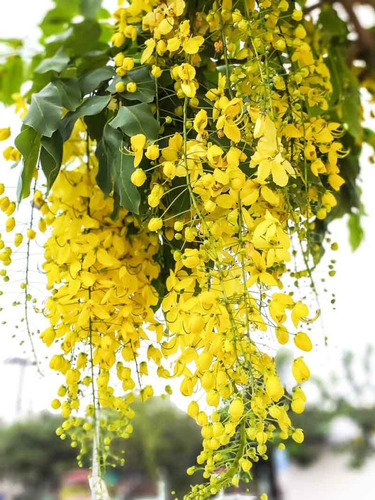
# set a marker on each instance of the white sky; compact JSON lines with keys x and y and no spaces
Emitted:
{"x":350,"y":326}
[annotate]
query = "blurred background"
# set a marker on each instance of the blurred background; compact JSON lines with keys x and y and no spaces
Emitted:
{"x":336,"y":461}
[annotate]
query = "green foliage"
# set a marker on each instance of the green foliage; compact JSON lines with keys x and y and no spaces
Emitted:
{"x":30,"y":452}
{"x":51,"y":154}
{"x":57,"y":63}
{"x":45,"y":111}
{"x":356,"y":233}
{"x":11,"y":77}
{"x":28,"y":143}
{"x":164,"y":440}
{"x":145,"y":85}
{"x":136,"y":119}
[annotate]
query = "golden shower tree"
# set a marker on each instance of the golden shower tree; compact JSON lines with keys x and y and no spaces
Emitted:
{"x":186,"y":158}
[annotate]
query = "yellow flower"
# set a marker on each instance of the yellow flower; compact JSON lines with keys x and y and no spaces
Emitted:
{"x":11,"y":153}
{"x":200,"y":121}
{"x":138,"y":143}
{"x":227,"y":120}
{"x":120,"y":87}
{"x":156,"y":71}
{"x":236,"y":409}
{"x":300,"y":370}
{"x":10,"y":224}
{"x":298,"y":436}
{"x":138,"y":177}
{"x":31,"y":234}
{"x":131,"y":87}
{"x":273,"y":388}
{"x":303,"y":342}
{"x":150,"y":47}
{"x":193,"y":44}
{"x":186,"y":72}
{"x":18,"y":239}
{"x":152,"y":152}
{"x":4,"y":133}
{"x":155,"y":224}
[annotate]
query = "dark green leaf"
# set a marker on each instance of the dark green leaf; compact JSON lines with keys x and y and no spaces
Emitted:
{"x":90,"y":81}
{"x":123,"y":167}
{"x":137,"y":119}
{"x":145,"y":85}
{"x":116,"y":204}
{"x":45,"y":111}
{"x":356,"y":232}
{"x":84,"y":38}
{"x":69,"y":91}
{"x":90,"y":107}
{"x":106,"y":151}
{"x":89,"y":8}
{"x":51,"y":156}
{"x":94,"y":60}
{"x":114,"y":163}
{"x":28,"y":143}
{"x":58,"y":62}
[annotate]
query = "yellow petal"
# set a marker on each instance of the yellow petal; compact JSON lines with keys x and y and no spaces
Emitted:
{"x":225,"y":201}
{"x":270,"y":196}
{"x":88,"y":279}
{"x":150,"y":46}
{"x":232,"y":131}
{"x":173,"y":44}
{"x":303,"y":342}
{"x":192,"y":45}
{"x":138,"y":142}
{"x":200,"y":121}
{"x":279,"y":175}
{"x":292,"y":131}
{"x":166,"y":26}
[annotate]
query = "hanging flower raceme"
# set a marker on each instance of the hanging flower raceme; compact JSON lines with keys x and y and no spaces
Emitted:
{"x":170,"y":248}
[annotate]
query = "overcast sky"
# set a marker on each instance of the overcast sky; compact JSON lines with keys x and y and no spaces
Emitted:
{"x":350,"y":326}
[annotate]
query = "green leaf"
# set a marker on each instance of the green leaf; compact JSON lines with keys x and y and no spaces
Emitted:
{"x":70,"y":92}
{"x":123,"y":167}
{"x":45,"y":111}
{"x":91,"y":81}
{"x":58,"y":62}
{"x":137,"y":119}
{"x":90,"y":107}
{"x":356,"y":232}
{"x":51,"y":157}
{"x":331,"y":24}
{"x":84,"y":38}
{"x":28,"y":143}
{"x":11,"y":78}
{"x":15,"y":43}
{"x":95,"y":124}
{"x":145,"y":85}
{"x":57,"y":19}
{"x":89,"y":8}
{"x":351,"y":108}
{"x":106,"y":151}
{"x":114,"y":163}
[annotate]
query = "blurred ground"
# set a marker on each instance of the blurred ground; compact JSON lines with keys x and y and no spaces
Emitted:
{"x":329,"y":478}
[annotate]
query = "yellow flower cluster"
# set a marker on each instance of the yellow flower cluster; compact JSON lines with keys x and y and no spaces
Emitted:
{"x":244,"y":150}
{"x":99,"y":272}
{"x":245,"y":164}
